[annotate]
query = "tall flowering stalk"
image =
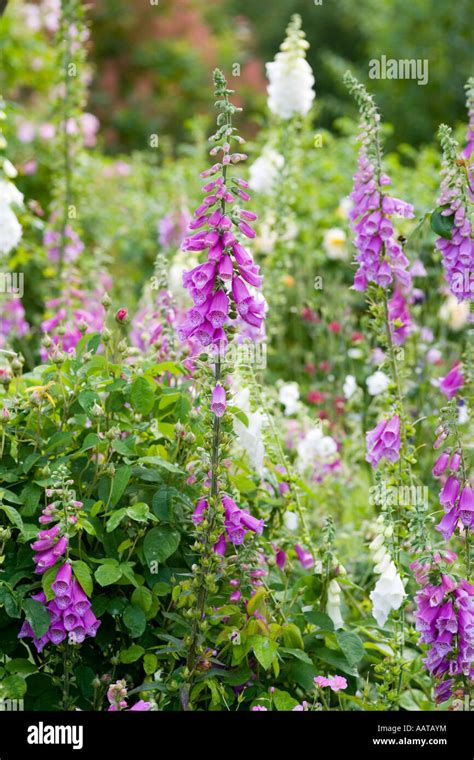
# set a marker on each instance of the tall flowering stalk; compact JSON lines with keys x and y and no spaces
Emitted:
{"x":66,"y":603}
{"x":452,"y":219}
{"x":383,"y":274}
{"x":223,"y":289}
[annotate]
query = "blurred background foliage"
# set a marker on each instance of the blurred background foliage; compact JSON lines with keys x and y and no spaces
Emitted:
{"x":153,"y":62}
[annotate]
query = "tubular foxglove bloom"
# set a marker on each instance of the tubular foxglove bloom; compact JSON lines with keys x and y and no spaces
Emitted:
{"x":380,"y":257}
{"x":290,"y":91}
{"x":384,"y":441}
{"x":69,"y":610}
{"x":389,"y":591}
{"x":218,"y":404}
{"x":452,"y":221}
{"x":452,"y":383}
{"x":445,"y":621}
{"x":220,"y":284}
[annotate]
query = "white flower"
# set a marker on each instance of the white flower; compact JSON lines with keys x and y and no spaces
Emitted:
{"x":265,"y":171}
{"x":345,"y":205}
{"x":463,"y":414}
{"x":10,"y":229}
{"x":389,"y":591}
{"x":291,"y":520}
{"x":349,"y":387}
{"x":250,"y":438}
{"x":453,"y":313}
{"x":291,"y":80}
{"x":9,"y":169}
{"x":354,"y":353}
{"x":289,"y":396}
{"x":314,"y":446}
{"x":377,"y":383}
{"x":10,"y":194}
{"x":387,"y":595}
{"x":333,"y":605}
{"x":335,"y":243}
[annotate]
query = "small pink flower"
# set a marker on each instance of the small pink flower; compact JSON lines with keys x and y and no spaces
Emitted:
{"x":121,"y":315}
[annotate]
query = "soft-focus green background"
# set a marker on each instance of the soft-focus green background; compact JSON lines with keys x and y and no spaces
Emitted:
{"x":153,"y":61}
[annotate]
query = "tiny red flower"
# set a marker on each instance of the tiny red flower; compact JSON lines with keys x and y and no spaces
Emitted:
{"x":334,"y":327}
{"x":121,"y":315}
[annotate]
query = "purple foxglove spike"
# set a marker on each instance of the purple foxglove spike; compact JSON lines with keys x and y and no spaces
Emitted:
{"x":440,"y":464}
{"x":61,"y":585}
{"x":26,"y":631}
{"x":228,"y":239}
{"x":449,"y":492}
{"x":42,"y":545}
{"x":212,"y":238}
{"x":236,"y":534}
{"x":71,"y":619}
{"x":91,"y":623}
{"x":39,"y":597}
{"x":44,"y":561}
{"x":240,"y":290}
{"x":252,"y":523}
{"x":49,"y":533}
{"x":196,"y":223}
{"x":197,"y":315}
{"x":215,"y":218}
{"x":452,"y":382}
{"x":247,"y":230}
{"x":218,"y":404}
{"x":215,"y":252}
{"x":448,"y":523}
{"x":220,"y":545}
{"x":57,"y":633}
{"x":79,"y":599}
{"x":280,"y":559}
{"x":78,"y":634}
{"x":44,"y":519}
{"x":466,"y":506}
{"x":252,"y":319}
{"x":225,"y":223}
{"x":198,"y":514}
{"x":204,"y":333}
{"x":305,"y":557}
{"x":219,"y":339}
{"x":226,"y":268}
{"x":219,"y":309}
{"x":230,"y":507}
{"x":61,"y":546}
{"x":250,"y":275}
{"x":201,"y":295}
{"x":203,"y":274}
{"x":242,"y":256}
{"x":455,"y":462}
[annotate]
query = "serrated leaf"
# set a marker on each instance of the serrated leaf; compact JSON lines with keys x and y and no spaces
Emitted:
{"x":135,"y":620}
{"x":132,"y":654}
{"x":107,"y":574}
{"x":264,"y":649}
{"x":83,"y":574}
{"x":142,"y":395}
{"x":283,"y":701}
{"x":442,"y":225}
{"x":351,"y":646}
{"x":37,"y":616}
{"x":160,"y":543}
{"x":119,"y":483}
